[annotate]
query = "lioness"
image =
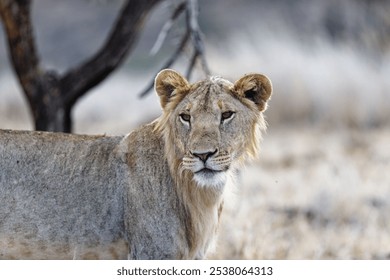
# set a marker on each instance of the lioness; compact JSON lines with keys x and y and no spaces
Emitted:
{"x":156,"y":193}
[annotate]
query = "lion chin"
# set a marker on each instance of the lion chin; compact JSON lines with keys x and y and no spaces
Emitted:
{"x":210,"y":178}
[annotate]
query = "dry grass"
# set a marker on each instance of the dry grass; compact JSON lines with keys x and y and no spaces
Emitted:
{"x":313,"y":83}
{"x":313,"y":195}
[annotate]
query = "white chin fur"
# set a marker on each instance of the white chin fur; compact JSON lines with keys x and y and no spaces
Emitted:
{"x":216,"y":180}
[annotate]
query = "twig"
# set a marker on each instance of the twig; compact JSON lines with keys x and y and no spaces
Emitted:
{"x":167,"y":64}
{"x":191,"y":65}
{"x":166,"y":28}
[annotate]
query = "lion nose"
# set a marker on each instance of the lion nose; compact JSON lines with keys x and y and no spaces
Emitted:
{"x":204,"y":156}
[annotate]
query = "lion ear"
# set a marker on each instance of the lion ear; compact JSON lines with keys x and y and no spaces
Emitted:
{"x":255,"y":87}
{"x":167,"y":84}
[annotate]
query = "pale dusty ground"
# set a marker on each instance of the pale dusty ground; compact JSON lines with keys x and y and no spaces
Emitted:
{"x":313,"y":195}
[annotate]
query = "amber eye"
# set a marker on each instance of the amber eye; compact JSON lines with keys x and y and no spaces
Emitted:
{"x":227,"y":115}
{"x":185,"y":117}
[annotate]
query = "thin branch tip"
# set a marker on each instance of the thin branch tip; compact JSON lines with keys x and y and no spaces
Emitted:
{"x":192,"y":34}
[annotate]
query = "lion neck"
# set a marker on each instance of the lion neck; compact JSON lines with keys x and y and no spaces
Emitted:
{"x":202,"y":207}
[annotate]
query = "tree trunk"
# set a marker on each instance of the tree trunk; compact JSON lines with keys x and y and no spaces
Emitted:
{"x":50,"y":96}
{"x":50,"y":111}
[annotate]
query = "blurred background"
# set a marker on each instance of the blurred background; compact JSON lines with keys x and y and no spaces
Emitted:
{"x":321,"y":188}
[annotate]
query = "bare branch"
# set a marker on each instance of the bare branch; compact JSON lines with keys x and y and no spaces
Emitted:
{"x":193,"y":32}
{"x":191,"y":65}
{"x":166,"y":28}
{"x":196,"y":34}
{"x":121,"y":40}
{"x":168,"y":64}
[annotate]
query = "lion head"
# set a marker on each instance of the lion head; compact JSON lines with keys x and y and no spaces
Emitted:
{"x":212,"y":126}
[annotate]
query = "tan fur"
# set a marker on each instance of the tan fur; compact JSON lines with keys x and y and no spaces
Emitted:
{"x":156,"y":193}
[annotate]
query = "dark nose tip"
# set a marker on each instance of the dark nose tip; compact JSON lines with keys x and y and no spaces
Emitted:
{"x":204,"y":156}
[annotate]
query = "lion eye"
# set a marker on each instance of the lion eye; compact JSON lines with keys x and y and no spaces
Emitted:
{"x":185,"y":117}
{"x":227,"y":115}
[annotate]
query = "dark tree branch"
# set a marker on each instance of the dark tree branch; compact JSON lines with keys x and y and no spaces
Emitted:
{"x":17,"y":23}
{"x":191,"y":9}
{"x":121,"y":40}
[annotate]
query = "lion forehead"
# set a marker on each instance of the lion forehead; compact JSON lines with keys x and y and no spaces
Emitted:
{"x":214,"y":94}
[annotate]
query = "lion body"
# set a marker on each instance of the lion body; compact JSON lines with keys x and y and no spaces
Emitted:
{"x":76,"y":193}
{"x":156,"y":193}
{"x":58,"y":191}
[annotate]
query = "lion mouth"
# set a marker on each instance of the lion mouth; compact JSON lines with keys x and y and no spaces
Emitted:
{"x":208,"y":171}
